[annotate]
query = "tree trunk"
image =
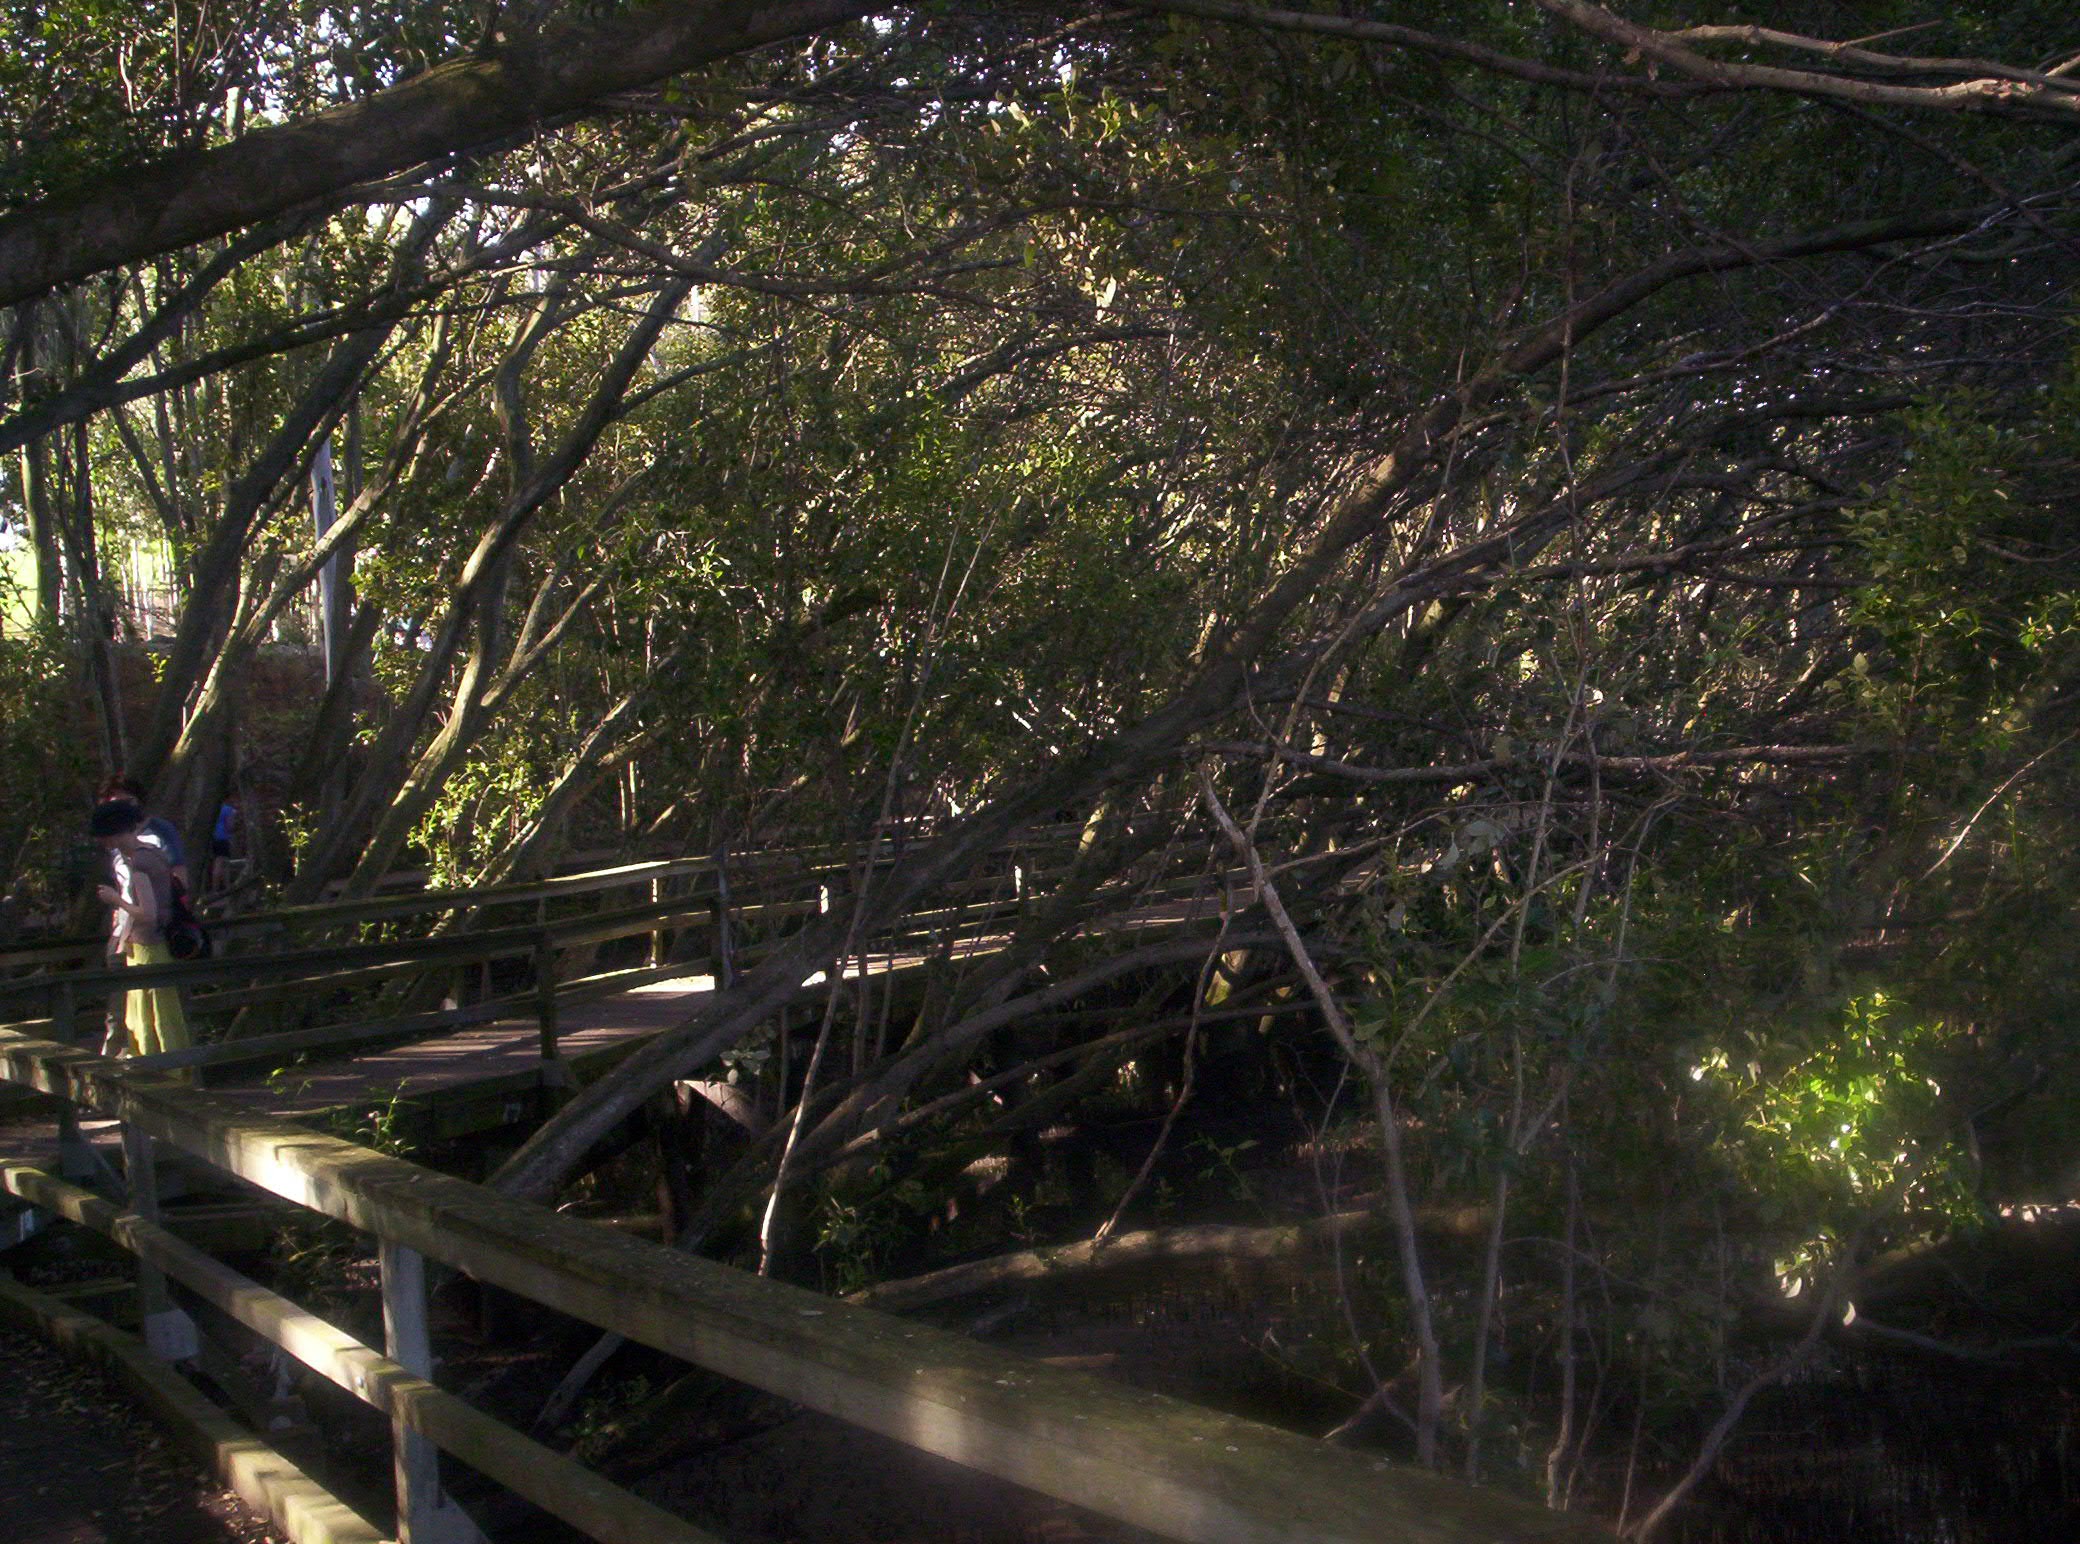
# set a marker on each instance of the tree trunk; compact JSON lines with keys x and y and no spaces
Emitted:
{"x":36,"y":495}
{"x":387,"y":801}
{"x":174,"y":732}
{"x":219,"y":563}
{"x":95,"y":611}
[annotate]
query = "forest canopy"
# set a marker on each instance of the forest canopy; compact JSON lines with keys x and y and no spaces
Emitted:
{"x":1565,"y":515}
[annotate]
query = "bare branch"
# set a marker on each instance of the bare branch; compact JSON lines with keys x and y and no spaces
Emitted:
{"x":2000,"y":89}
{"x":1328,"y":24}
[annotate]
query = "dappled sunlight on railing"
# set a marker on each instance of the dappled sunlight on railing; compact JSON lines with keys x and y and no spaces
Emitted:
{"x":1185,"y":1472}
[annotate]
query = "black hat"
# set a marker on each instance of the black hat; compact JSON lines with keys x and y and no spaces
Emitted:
{"x":115,"y":817}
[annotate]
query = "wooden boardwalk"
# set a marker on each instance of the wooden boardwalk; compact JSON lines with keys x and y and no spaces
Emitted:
{"x":1184,"y":1472}
{"x":1132,"y":1456}
{"x":482,"y":1066}
{"x":449,"y":1074}
{"x":488,"y":1074}
{"x":491,"y":1074}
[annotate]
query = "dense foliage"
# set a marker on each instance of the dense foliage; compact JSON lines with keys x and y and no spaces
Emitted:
{"x":1609,"y":521}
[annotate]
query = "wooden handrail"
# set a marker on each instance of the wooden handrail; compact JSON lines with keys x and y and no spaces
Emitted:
{"x":383,"y":908}
{"x":304,"y":972}
{"x":1184,"y":1472}
{"x":311,"y":968}
{"x":825,"y":857}
{"x":302,"y":1509}
{"x":553,"y":1482}
{"x":290,"y":1044}
{"x":287,"y":1046}
{"x":471,"y":947}
{"x":378,"y":908}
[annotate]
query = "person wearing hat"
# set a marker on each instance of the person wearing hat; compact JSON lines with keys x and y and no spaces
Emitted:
{"x":140,"y":901}
{"x":152,"y":830}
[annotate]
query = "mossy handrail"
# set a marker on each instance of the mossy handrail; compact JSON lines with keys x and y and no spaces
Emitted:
{"x":1184,"y":1472}
{"x":553,"y":1481}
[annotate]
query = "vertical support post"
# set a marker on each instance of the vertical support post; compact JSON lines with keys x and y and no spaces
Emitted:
{"x":681,"y":1137}
{"x":415,"y":1459}
{"x":425,"y":1515}
{"x":141,"y":1175}
{"x":74,"y":1161}
{"x":554,"y":1073}
{"x":75,"y":1157}
{"x":168,"y":1331}
{"x":657,"y":948}
{"x":725,"y":947}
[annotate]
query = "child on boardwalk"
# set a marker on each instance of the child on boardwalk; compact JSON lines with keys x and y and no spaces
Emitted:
{"x":140,"y":902}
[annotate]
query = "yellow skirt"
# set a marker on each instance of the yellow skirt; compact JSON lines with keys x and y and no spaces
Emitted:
{"x":154,"y":1014}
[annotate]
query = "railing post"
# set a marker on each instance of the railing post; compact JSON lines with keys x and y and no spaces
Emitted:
{"x":554,"y":1073}
{"x":725,"y":947}
{"x":75,"y":1155}
{"x":75,"y":1158}
{"x":415,"y":1460}
{"x":168,"y":1330}
{"x":657,"y":948}
{"x":424,"y":1514}
{"x":141,"y":1176}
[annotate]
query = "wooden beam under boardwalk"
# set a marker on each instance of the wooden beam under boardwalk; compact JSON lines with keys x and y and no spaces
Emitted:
{"x":1172,"y":1467}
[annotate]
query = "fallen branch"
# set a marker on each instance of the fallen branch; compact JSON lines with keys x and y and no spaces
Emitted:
{"x":1158,"y":1246}
{"x":1463,"y":771}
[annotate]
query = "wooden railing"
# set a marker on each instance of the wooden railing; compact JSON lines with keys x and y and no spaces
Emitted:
{"x":791,"y":883}
{"x":310,"y":974}
{"x":425,"y":1418}
{"x":251,"y":929}
{"x":1181,"y":1471}
{"x":746,"y":873}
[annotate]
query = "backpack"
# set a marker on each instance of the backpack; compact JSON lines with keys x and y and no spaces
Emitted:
{"x":186,"y":937}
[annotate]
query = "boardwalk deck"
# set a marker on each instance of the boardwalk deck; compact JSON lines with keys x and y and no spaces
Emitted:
{"x":488,"y":1074}
{"x":496,"y":1063}
{"x":1147,"y":1461}
{"x":441,"y":1084}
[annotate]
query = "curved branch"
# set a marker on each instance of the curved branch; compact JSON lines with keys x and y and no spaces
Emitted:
{"x":2011,"y":92}
{"x":1327,"y":24}
{"x":140,"y":211}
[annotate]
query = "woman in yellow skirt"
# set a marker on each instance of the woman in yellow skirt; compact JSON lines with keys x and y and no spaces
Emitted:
{"x":140,"y":902}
